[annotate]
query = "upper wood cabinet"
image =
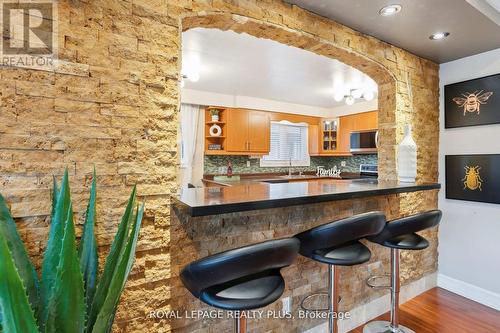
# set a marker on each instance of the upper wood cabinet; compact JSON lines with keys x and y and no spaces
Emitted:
{"x":366,"y":121}
{"x":329,"y":136}
{"x":214,"y":145}
{"x":259,"y":132}
{"x":237,"y":130}
{"x":314,"y":140}
{"x":248,"y":131}
{"x":347,"y":125}
{"x":355,"y":122}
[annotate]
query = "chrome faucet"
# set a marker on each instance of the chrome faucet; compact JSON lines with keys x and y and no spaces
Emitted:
{"x":290,"y":168}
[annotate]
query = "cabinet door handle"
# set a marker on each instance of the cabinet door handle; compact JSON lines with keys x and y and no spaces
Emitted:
{"x":248,"y":145}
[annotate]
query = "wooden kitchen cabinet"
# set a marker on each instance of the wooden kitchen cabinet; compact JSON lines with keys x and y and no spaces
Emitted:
{"x":314,"y":140}
{"x":248,"y":131}
{"x":329,"y":136}
{"x":355,"y":122}
{"x":259,"y":132}
{"x":366,"y":121}
{"x":237,"y":130}
{"x":347,"y":125}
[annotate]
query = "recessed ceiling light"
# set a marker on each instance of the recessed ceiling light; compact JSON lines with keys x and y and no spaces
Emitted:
{"x":390,"y":10}
{"x":439,"y":35}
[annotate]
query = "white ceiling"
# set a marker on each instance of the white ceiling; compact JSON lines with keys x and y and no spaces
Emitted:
{"x":474,"y":25}
{"x":243,"y":65}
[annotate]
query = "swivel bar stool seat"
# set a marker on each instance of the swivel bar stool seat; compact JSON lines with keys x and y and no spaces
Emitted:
{"x":241,"y":279}
{"x":398,"y":235}
{"x":337,"y":244}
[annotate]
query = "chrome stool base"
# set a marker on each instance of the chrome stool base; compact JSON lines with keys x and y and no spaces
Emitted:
{"x":393,"y":325}
{"x":385,"y":327}
{"x":332,"y":297}
{"x":312,"y":296}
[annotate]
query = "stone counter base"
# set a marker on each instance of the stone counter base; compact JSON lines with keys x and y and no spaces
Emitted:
{"x":197,"y":237}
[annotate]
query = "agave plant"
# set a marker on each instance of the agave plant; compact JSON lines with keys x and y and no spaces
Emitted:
{"x":69,"y":297}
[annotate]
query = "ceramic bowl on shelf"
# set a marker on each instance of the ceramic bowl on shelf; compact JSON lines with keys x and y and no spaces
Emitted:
{"x":215,"y":130}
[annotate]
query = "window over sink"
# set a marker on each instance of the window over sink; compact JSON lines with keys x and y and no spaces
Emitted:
{"x":288,"y":145}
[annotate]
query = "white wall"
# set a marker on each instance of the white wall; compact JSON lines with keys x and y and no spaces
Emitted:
{"x":199,"y":97}
{"x":469,"y":236}
{"x":199,"y":153}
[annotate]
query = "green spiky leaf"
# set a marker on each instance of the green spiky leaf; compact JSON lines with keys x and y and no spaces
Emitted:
{"x":54,"y":244}
{"x":55,"y":194}
{"x":17,"y":315}
{"x":24,"y":266}
{"x":105,"y":317}
{"x":112,"y":260}
{"x":87,"y":251}
{"x":66,"y":306}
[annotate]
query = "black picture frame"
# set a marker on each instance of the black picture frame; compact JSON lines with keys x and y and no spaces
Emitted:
{"x":473,"y":102}
{"x":462,"y":182}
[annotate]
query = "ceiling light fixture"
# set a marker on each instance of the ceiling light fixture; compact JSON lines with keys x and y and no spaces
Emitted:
{"x":356,"y":93}
{"x":349,"y":100}
{"x":369,"y":95}
{"x":192,"y":76}
{"x":353,"y":95}
{"x":390,"y":10}
{"x":338,"y":97}
{"x":439,"y":35}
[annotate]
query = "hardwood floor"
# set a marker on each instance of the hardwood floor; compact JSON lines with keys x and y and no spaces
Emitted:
{"x":440,"y":311}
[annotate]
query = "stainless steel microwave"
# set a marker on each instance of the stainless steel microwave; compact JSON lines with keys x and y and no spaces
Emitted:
{"x":364,"y":142}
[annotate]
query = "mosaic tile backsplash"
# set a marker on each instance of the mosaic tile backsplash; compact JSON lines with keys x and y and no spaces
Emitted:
{"x":214,"y":165}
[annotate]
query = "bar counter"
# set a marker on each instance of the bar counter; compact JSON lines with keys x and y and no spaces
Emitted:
{"x":262,"y":195}
{"x":209,"y":220}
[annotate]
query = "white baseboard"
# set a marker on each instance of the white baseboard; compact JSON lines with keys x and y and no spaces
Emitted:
{"x":366,"y":312}
{"x":469,"y":291}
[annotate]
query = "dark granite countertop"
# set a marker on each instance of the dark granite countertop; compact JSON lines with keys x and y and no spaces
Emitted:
{"x":262,"y":195}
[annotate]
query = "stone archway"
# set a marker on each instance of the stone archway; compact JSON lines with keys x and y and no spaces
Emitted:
{"x":386,"y":82}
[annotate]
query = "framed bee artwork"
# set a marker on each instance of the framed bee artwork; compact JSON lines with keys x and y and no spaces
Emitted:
{"x":473,"y":177}
{"x":473,"y":102}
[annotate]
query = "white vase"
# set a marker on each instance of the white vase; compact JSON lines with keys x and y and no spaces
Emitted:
{"x":215,"y":117}
{"x":407,"y":158}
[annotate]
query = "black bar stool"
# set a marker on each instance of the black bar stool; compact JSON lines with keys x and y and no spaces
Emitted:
{"x":242,"y":279}
{"x":398,"y":235}
{"x":336,"y":244}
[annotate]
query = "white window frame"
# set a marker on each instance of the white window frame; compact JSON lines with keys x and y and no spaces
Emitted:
{"x":306,"y":161}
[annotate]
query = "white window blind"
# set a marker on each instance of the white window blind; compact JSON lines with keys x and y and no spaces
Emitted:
{"x":288,"y":142}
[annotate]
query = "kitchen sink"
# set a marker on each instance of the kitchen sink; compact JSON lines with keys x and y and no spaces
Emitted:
{"x":276,"y":181}
{"x":365,"y":181}
{"x":297,"y":178}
